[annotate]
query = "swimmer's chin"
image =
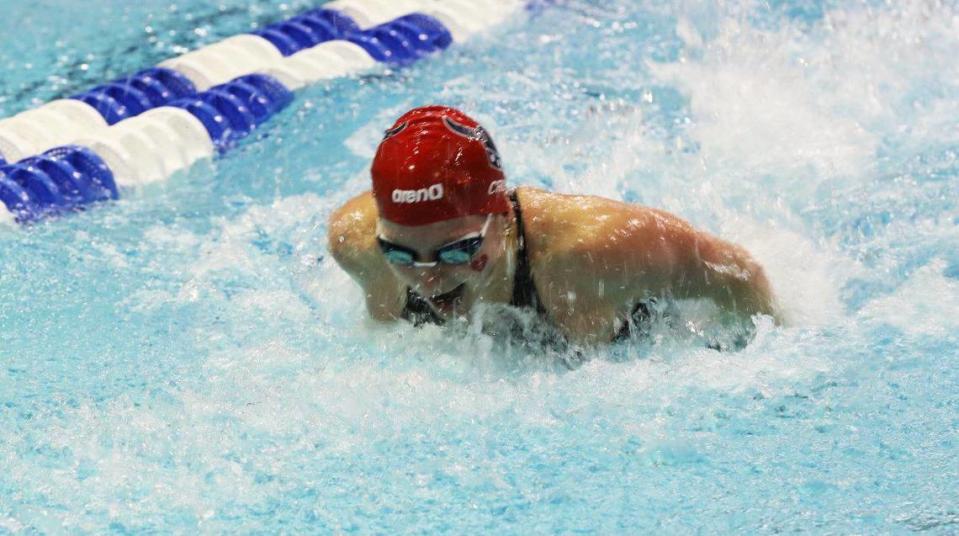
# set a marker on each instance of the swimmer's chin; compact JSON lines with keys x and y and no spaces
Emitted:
{"x":451,"y":304}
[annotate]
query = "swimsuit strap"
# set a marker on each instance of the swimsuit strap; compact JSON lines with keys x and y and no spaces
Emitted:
{"x":524,"y":290}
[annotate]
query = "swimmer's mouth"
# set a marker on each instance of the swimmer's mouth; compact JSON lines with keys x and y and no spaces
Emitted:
{"x":447,"y":301}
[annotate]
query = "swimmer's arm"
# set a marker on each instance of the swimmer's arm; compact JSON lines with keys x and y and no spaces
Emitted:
{"x":681,"y":261}
{"x":352,"y":242}
{"x":636,"y":253}
{"x":727,"y":274}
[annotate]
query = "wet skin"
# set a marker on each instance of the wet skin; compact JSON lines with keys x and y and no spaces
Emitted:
{"x":592,"y":260}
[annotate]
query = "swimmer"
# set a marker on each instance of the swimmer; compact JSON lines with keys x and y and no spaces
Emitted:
{"x":440,"y":232}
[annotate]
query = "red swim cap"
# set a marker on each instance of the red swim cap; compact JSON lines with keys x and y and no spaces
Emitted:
{"x":435,"y":164}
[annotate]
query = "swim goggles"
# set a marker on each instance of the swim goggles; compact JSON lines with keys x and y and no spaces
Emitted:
{"x":459,"y":251}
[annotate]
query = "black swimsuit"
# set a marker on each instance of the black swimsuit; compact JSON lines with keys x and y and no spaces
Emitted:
{"x":524,"y":290}
{"x":418,"y":310}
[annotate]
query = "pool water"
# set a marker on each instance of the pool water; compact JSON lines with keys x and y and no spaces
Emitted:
{"x":190,"y":359}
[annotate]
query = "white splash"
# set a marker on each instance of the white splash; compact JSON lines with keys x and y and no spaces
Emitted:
{"x":926,"y":304}
{"x":757,"y":112}
{"x":806,"y":277}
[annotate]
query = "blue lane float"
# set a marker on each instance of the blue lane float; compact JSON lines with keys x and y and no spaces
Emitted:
{"x":131,"y":96}
{"x":399,"y":42}
{"x":160,"y":120}
{"x":60,"y":180}
{"x":404,"y":40}
{"x":231,"y":111}
{"x":308,"y":30}
{"x":425,"y":32}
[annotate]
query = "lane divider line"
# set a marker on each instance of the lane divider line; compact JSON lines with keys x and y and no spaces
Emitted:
{"x":70,"y":153}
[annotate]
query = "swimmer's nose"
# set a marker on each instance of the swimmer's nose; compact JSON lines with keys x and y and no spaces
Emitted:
{"x":428,"y":280}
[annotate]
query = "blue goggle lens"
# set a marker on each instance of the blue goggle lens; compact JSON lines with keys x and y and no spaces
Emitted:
{"x":398,"y":257}
{"x":460,"y":252}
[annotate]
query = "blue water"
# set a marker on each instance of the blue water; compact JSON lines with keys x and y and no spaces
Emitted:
{"x":190,"y":359}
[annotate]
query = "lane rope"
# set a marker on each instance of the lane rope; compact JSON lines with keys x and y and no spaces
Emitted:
{"x":74,"y":152}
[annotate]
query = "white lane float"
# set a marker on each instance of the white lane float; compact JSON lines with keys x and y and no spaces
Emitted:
{"x":221,"y":62}
{"x":56,"y":123}
{"x":326,"y":61}
{"x":153,"y":146}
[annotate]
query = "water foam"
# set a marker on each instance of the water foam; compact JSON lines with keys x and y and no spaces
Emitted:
{"x":919,"y":305}
{"x":756,"y":111}
{"x":293,"y":408}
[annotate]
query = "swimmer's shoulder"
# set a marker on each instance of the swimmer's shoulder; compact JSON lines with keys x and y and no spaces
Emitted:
{"x":561,"y":237}
{"x":352,"y":232}
{"x":549,"y":218}
{"x":592,"y":258}
{"x":558,"y":224}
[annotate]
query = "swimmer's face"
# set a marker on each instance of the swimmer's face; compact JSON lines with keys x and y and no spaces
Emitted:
{"x":451,"y":289}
